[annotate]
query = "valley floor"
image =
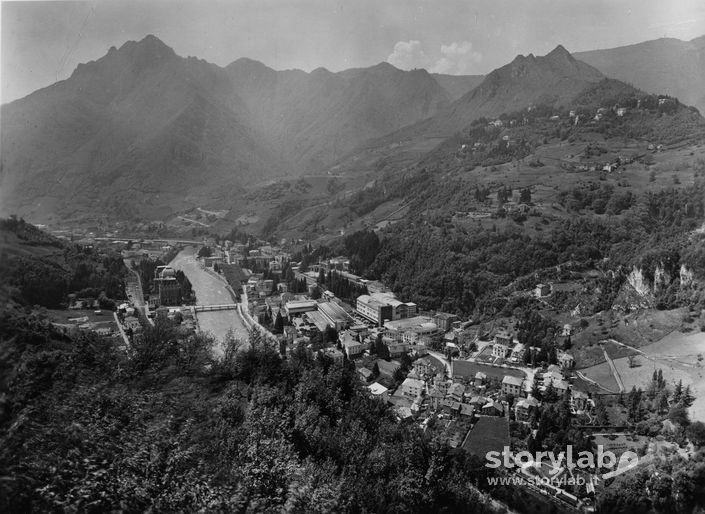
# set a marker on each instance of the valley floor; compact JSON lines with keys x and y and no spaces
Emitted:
{"x":211,"y":290}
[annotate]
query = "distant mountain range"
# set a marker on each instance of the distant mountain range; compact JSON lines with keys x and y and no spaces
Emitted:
{"x":553,"y":78}
{"x":143,"y":133}
{"x":667,"y":65}
{"x":313,"y":118}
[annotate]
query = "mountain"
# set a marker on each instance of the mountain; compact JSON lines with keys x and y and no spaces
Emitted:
{"x":553,"y":79}
{"x":144,"y":133}
{"x":666,"y":65}
{"x":139,"y":132}
{"x":313,"y":118}
{"x":457,"y":85}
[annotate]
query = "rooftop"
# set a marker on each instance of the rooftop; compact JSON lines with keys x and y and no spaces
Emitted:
{"x":417,"y":323}
{"x":412,"y":382}
{"x":508,"y":379}
{"x":317,"y":319}
{"x":333,"y":311}
{"x":377,"y":388}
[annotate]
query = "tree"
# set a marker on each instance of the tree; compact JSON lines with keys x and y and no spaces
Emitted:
{"x":399,"y":376}
{"x":678,"y":392}
{"x":696,"y":433}
{"x":679,"y":414}
{"x":279,"y":323}
{"x":525,"y":195}
{"x":205,"y":251}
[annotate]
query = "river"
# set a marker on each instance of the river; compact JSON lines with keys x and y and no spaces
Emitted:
{"x":210,"y":290}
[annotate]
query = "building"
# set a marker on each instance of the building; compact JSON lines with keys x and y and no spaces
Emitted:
{"x":444,"y":321}
{"x":542,"y":290}
{"x":334,"y":354}
{"x":502,"y":344}
{"x":418,"y":330}
{"x":492,"y":408}
{"x":339,"y":263}
{"x":335,"y":315}
{"x":524,"y":408}
{"x":317,"y":319}
{"x":377,"y":390}
{"x":380,"y":307}
{"x":411,"y":387}
{"x":298,"y":307}
{"x":456,"y":392}
{"x":396,"y":348}
{"x":210,"y":262}
{"x":373,"y":310}
{"x":436,"y":397}
{"x":365,"y":373}
{"x":168,"y":288}
{"x":566,"y":361}
{"x":580,"y":401}
{"x":352,"y":346}
{"x":466,"y":410}
{"x":512,"y":385}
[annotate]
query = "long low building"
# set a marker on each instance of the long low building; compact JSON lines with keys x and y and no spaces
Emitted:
{"x":336,"y":315}
{"x":296,"y":307}
{"x":380,"y":307}
{"x":416,"y":330}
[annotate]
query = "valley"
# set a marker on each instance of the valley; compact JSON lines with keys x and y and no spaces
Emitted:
{"x":416,"y":269}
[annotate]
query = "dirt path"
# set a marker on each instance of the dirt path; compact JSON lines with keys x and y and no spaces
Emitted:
{"x":615,"y":373}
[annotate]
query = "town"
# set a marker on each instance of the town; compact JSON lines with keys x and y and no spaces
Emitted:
{"x":474,"y":386}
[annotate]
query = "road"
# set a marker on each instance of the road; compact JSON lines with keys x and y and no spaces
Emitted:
{"x":439,"y":356}
{"x":211,"y":289}
{"x":620,"y":384}
{"x":134,"y":291}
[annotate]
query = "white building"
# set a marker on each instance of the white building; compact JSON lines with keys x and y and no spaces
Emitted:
{"x":411,"y":387}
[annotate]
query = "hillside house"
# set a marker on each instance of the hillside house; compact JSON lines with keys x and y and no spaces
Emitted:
{"x":365,"y":373}
{"x":444,"y":321}
{"x":566,"y":361}
{"x":377,"y":390}
{"x":493,"y":408}
{"x":411,"y":387}
{"x":351,"y":345}
{"x":466,"y":411}
{"x":542,"y":290}
{"x":456,"y":392}
{"x":436,"y":397}
{"x":502,"y":344}
{"x":512,"y":385}
{"x":524,"y":408}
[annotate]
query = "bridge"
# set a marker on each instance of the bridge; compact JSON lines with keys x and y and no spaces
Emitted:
{"x":223,"y":307}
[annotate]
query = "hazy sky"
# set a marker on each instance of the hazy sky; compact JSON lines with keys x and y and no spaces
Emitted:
{"x":42,"y":42}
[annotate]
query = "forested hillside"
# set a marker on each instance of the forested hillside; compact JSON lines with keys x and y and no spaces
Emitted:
{"x":43,"y":270}
{"x":167,"y":428}
{"x":438,"y":262}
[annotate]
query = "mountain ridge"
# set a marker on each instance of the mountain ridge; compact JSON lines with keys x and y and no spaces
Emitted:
{"x":666,"y":65}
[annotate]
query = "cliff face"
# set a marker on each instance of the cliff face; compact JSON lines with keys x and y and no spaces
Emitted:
{"x":642,"y":288}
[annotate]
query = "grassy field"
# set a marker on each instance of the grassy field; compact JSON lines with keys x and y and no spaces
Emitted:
{"x":602,"y":374}
{"x":640,"y":375}
{"x":681,"y":355}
